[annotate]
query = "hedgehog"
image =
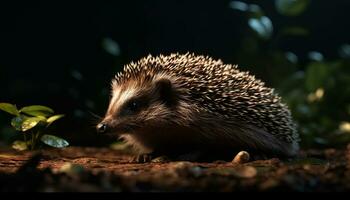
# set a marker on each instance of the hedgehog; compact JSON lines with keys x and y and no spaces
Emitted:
{"x":192,"y":106}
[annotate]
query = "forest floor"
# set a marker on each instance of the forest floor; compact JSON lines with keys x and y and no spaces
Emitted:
{"x":86,"y":169}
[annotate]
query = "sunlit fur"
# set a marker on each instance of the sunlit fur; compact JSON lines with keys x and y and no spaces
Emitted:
{"x":213,"y":106}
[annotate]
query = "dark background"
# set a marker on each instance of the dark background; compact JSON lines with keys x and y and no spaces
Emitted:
{"x":52,"y":53}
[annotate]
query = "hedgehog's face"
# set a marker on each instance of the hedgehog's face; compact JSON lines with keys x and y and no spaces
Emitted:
{"x":136,"y":105}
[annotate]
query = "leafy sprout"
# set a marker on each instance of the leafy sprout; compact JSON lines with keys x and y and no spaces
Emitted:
{"x":32,"y":121}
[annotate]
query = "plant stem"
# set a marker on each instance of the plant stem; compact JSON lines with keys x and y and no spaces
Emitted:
{"x":37,"y":135}
{"x":33,"y":141}
{"x":25,"y":138}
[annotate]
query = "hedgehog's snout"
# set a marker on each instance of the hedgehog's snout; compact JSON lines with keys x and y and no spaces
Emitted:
{"x":102,"y":127}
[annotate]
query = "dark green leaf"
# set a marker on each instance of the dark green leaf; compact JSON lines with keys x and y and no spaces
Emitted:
{"x":262,"y":26}
{"x":291,"y":7}
{"x":291,"y":57}
{"x":19,"y":145}
{"x":53,"y":118}
{"x":316,"y":74}
{"x":344,"y":51}
{"x":295,"y":30}
{"x":238,"y":5}
{"x":37,"y":110}
{"x":111,"y":46}
{"x":16,"y":122}
{"x":37,"y":113}
{"x":54,"y":141}
{"x":255,"y":9}
{"x":7,"y":107}
{"x":315,"y":56}
{"x":30,"y":122}
{"x":76,"y":74}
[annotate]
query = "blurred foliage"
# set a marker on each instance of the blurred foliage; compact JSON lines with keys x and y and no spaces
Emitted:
{"x":320,"y":101}
{"x":31,"y":121}
{"x":317,"y":91}
{"x":291,"y":7}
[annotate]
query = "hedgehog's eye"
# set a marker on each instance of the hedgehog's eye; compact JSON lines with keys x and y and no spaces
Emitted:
{"x":133,"y":106}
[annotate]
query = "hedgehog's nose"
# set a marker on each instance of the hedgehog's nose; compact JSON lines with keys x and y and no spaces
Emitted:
{"x":102,"y":127}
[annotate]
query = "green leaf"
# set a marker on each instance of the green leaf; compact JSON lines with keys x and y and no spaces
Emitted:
{"x":37,"y":110}
{"x":30,"y":122}
{"x":54,"y":141}
{"x":315,"y":56}
{"x":239,"y":5}
{"x":37,"y":113}
{"x":262,"y":26}
{"x":111,"y":46}
{"x":291,"y":57}
{"x":255,"y":10}
{"x":295,"y":31}
{"x":16,"y":122}
{"x":291,"y":7}
{"x":7,"y":107}
{"x":344,"y":51}
{"x":19,"y":145}
{"x":53,"y":118}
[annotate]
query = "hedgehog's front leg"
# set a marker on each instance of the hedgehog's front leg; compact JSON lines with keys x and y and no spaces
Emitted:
{"x":142,"y":158}
{"x":159,"y":158}
{"x":149,"y":157}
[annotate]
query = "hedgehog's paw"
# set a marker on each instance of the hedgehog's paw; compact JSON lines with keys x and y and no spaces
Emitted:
{"x":160,"y":159}
{"x":142,"y":158}
{"x":149,"y":157}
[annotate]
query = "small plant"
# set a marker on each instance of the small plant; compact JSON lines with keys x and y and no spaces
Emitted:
{"x":32,"y":122}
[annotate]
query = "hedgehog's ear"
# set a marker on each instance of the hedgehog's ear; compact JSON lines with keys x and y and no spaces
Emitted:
{"x":165,"y":91}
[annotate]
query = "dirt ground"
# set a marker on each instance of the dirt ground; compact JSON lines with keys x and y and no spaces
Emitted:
{"x":85,"y":169}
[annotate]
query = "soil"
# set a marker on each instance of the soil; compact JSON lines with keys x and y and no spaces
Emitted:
{"x":87,"y":169}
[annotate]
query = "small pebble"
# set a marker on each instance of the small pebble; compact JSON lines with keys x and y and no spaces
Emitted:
{"x":241,"y":157}
{"x":70,"y":168}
